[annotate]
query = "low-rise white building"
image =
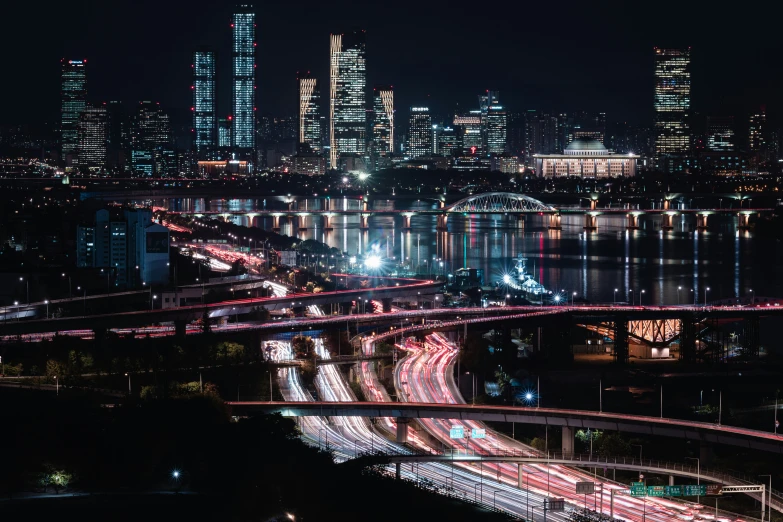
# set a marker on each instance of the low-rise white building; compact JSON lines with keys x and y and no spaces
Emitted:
{"x":586,"y":158}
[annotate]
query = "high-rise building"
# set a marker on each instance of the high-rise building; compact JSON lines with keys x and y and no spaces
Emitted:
{"x":720,"y":133}
{"x":118,"y":138}
{"x":73,"y":99}
{"x":347,"y":116}
{"x":496,"y":130}
{"x":93,"y":133}
{"x":224,"y":133}
{"x":672,"y":104}
{"x":420,"y":133}
{"x":152,"y":150}
{"x":243,"y":131}
{"x":486,"y":100}
{"x":204,"y":105}
{"x":448,"y":141}
{"x":383,"y":120}
{"x":757,"y":127}
{"x":310,"y":112}
{"x":469,"y":130}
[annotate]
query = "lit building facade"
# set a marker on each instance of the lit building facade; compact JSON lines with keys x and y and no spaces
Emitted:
{"x":152,"y":150}
{"x":73,"y":100}
{"x":93,"y":137}
{"x":224,"y":133}
{"x":757,"y":126}
{"x":347,"y":106}
{"x":383,"y":120}
{"x":586,"y":159}
{"x":204,"y":105}
{"x":243,"y":132}
{"x":309,"y":112}
{"x":672,"y":102}
{"x":469,"y":129}
{"x":720,"y":134}
{"x":448,"y":142}
{"x":496,"y":130}
{"x":419,"y":133}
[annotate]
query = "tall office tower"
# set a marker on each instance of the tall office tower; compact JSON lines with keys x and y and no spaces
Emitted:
{"x":485,"y":102}
{"x":469,"y":130}
{"x":118,"y":138}
{"x":496,"y":130}
{"x":383,"y":120}
{"x":448,"y":141}
{"x":757,"y":128}
{"x":204,"y":105}
{"x":243,"y":131}
{"x":720,"y":133}
{"x":672,"y":104}
{"x":93,"y":131}
{"x":420,"y":133}
{"x":73,"y":99}
{"x":224,"y":133}
{"x":310,"y":112}
{"x":348,"y":80}
{"x":152,"y":150}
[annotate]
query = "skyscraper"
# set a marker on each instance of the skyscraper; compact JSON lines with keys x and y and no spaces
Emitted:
{"x":720,"y":133}
{"x":73,"y":98}
{"x":204,"y":105}
{"x":496,"y":130}
{"x":383,"y":120}
{"x":469,"y":130}
{"x":243,"y":135}
{"x":119,"y":136}
{"x":93,"y":130}
{"x":756,"y":131}
{"x":420,"y":133}
{"x":152,"y":151}
{"x":672,"y":103}
{"x":485,"y":102}
{"x":310,"y":112}
{"x":347,"y":117}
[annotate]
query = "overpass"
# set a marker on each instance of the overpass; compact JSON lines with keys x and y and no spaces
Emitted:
{"x":568,"y":420}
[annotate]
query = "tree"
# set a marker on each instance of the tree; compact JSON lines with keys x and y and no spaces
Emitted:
{"x":230,"y":352}
{"x":304,"y":347}
{"x":539,"y":444}
{"x":612,"y":445}
{"x":54,"y":368}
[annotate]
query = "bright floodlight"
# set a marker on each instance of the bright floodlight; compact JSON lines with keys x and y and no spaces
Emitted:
{"x":372,"y":262}
{"x":557,"y":298}
{"x":363,"y":176}
{"x":529,"y":396}
{"x":506,"y":278}
{"x":175,"y":474}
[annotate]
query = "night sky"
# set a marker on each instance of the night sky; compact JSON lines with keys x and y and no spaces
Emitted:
{"x":543,"y":55}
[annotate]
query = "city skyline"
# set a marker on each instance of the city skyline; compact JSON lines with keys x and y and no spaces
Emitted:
{"x":534,"y":82}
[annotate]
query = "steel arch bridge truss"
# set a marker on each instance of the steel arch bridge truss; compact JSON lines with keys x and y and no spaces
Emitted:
{"x":497,"y":202}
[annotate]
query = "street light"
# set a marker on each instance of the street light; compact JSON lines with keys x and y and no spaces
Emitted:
{"x":705,"y":296}
{"x":70,"y":293}
{"x":678,"y":295}
{"x":129,"y":383}
{"x":615,"y":296}
{"x":46,"y":302}
{"x":752,"y":297}
{"x":640,"y":297}
{"x":27,"y":283}
{"x":573,"y":296}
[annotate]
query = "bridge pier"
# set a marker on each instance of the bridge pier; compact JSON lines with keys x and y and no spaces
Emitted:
{"x":520,"y":476}
{"x":633,"y":222}
{"x":442,"y":222}
{"x":406,"y":221}
{"x":591,"y":222}
{"x":554,"y":222}
{"x":302,"y":222}
{"x":365,"y":221}
{"x":593,"y":204}
{"x":397,"y":470}
{"x":701,"y":221}
{"x":328,"y":221}
{"x":402,"y":429}
{"x":671,"y":480}
{"x":751,"y":336}
{"x":687,"y":338}
{"x":276,"y":223}
{"x":668,"y":220}
{"x":567,"y":445}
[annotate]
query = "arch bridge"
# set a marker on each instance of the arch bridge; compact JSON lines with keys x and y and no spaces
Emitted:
{"x":494,"y":202}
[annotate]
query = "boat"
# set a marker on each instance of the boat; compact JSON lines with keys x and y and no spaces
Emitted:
{"x":520,"y":279}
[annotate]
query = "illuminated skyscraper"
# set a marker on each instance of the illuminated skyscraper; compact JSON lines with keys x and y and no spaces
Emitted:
{"x":73,"y":101}
{"x":672,"y":102}
{"x":720,"y":133}
{"x":93,"y":132}
{"x":243,"y":135}
{"x":469,"y":129}
{"x":383,"y":120}
{"x":496,"y":130}
{"x":310,"y":112}
{"x":420,"y":133}
{"x":152,"y":150}
{"x":756,"y":131}
{"x":204,"y":105}
{"x":348,"y":81}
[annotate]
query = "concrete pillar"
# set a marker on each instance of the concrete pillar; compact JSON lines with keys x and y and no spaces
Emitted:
{"x":671,"y":480}
{"x":593,"y":204}
{"x":364,"y":205}
{"x":668,"y":220}
{"x":442,"y":222}
{"x":706,"y":454}
{"x":701,"y":221}
{"x":633,"y":222}
{"x":327,"y":221}
{"x":406,"y":222}
{"x":397,"y":470}
{"x":327,"y":204}
{"x":365,"y":222}
{"x":666,"y":204}
{"x":744,"y":221}
{"x":591,"y":222}
{"x":520,"y":476}
{"x":387,"y":305}
{"x":567,"y":446}
{"x":180,"y":328}
{"x":554,"y":222}
{"x":275,"y":223}
{"x":402,"y":430}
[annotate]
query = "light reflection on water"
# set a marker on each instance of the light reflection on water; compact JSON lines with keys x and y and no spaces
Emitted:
{"x":728,"y":261}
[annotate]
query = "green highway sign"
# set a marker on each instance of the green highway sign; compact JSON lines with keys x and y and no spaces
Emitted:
{"x":638,"y":489}
{"x":694,"y":490}
{"x":673,"y":491}
{"x":656,"y":491}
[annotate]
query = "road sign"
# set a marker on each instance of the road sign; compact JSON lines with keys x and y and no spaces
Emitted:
{"x":714,"y":489}
{"x":638,"y":489}
{"x":457,"y":432}
{"x":478,"y":433}
{"x":558,"y":504}
{"x":585,"y":488}
{"x":673,"y":491}
{"x":694,"y":490}
{"x":656,"y":491}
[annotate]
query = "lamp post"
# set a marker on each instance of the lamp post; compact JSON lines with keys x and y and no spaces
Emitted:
{"x":46,"y":302}
{"x":640,"y":297}
{"x":752,"y":297}
{"x":615,"y":296}
{"x":70,"y":293}
{"x":769,"y":503}
{"x":705,"y":296}
{"x":57,"y":385}
{"x":678,"y":295}
{"x":129,"y":383}
{"x":27,"y":283}
{"x":698,"y":472}
{"x":573,"y":296}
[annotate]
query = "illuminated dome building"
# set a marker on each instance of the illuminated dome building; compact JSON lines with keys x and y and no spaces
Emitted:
{"x":586,"y":158}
